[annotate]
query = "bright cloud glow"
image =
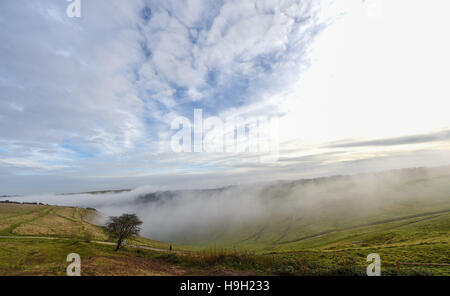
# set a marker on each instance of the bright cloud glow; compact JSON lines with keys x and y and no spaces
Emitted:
{"x":87,"y":103}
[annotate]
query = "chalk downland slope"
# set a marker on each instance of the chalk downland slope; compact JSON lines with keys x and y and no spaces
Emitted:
{"x":403,"y":216}
{"x":36,"y":239}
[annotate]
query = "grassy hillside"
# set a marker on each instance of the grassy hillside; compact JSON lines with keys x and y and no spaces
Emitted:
{"x":47,"y":257}
{"x":41,"y":251}
{"x":35,"y":240}
{"x":21,"y":220}
{"x":302,"y":213}
{"x":406,"y":221}
{"x":34,"y":220}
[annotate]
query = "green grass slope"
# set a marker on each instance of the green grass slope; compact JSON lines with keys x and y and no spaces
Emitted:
{"x":342,"y":207}
{"x":405,"y":219}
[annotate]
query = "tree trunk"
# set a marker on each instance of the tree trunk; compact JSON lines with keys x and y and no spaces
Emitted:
{"x":119,"y":242}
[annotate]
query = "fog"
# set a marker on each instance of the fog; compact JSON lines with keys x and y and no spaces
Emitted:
{"x":193,"y":216}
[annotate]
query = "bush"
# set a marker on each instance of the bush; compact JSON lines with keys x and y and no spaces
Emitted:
{"x":284,"y":270}
{"x":170,"y":258}
{"x":87,"y":237}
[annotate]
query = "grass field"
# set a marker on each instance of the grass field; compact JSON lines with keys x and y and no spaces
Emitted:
{"x":62,"y":230}
{"x":347,"y":208}
{"x":22,"y":220}
{"x":410,"y":232}
{"x":35,"y":240}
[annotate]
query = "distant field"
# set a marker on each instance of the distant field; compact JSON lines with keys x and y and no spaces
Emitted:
{"x":33,"y":220}
{"x":413,"y":227}
{"x":410,"y":246}
{"x":296,"y":223}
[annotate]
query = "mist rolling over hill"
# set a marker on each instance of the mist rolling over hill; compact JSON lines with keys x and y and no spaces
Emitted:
{"x":203,"y":137}
{"x":271,"y":215}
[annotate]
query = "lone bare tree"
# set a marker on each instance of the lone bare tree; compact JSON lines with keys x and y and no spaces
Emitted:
{"x":123,"y":227}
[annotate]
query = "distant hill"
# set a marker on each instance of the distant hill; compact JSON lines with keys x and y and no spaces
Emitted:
{"x":98,"y":192}
{"x":273,"y":215}
{"x":323,"y":226}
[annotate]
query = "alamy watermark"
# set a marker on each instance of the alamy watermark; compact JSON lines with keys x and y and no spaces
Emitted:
{"x":374,"y":268}
{"x":235,"y":135}
{"x":74,"y":268}
{"x":74,"y":8}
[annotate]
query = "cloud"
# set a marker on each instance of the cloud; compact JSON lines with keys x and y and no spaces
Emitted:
{"x":405,"y":140}
{"x":91,"y":100}
{"x":62,"y":84}
{"x":237,"y":212}
{"x":28,"y":164}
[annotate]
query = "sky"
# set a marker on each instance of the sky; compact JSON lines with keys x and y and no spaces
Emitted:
{"x":89,"y":103}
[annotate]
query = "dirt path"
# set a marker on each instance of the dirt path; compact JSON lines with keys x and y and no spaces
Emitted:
{"x":101,"y":243}
{"x":124,"y":264}
{"x":144,"y":248}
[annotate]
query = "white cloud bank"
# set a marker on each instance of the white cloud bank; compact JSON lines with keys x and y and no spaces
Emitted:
{"x":87,"y":103}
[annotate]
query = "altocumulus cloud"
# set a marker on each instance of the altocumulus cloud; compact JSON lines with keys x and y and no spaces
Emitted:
{"x":89,"y":101}
{"x":109,"y":83}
